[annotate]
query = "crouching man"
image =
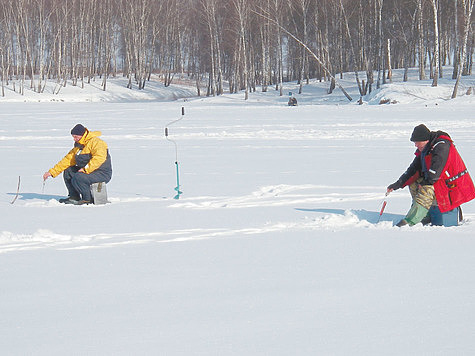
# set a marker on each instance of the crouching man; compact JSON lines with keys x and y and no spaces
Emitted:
{"x":87,"y":163}
{"x":436,"y":177}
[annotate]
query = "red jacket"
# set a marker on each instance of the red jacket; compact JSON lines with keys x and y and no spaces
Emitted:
{"x":453,"y":185}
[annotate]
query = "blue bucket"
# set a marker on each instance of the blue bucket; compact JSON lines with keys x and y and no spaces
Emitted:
{"x":449,"y":218}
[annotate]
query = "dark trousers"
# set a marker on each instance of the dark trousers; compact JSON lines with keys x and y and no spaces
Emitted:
{"x":79,"y":184}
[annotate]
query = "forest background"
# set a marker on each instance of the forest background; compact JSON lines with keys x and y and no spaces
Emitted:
{"x":233,"y":45}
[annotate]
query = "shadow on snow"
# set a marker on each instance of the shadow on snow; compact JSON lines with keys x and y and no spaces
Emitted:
{"x":31,"y":196}
{"x":370,"y":216}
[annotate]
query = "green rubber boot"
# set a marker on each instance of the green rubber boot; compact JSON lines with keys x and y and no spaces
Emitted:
{"x":416,"y":214}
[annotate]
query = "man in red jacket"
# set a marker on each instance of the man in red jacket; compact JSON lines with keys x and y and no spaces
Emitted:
{"x":436,"y":176}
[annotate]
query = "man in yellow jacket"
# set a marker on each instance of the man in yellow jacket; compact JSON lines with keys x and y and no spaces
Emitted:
{"x":87,"y":163}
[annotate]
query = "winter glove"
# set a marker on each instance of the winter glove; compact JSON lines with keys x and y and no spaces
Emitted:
{"x":395,"y":186}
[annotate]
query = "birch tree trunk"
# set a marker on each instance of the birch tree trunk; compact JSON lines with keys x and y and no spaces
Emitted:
{"x":303,"y":6}
{"x":277,"y":10}
{"x":456,"y":60}
{"x":353,"y":53}
{"x":2,"y":56}
{"x":209,"y":8}
{"x":380,"y":40}
{"x":390,"y":71}
{"x":241,"y":11}
{"x":468,"y":9}
{"x":421,"y":60}
{"x":435,"y":6}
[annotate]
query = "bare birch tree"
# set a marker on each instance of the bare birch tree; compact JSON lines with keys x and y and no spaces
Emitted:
{"x":421,"y":48}
{"x":80,"y":40}
{"x":467,"y":11}
{"x":435,"y":74}
{"x":242,"y":14}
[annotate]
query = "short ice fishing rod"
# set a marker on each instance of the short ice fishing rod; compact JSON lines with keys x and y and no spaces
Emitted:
{"x":385,"y":202}
{"x":17,"y":191}
{"x":177,"y":188}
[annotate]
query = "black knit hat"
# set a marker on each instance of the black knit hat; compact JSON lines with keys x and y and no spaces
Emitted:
{"x":78,"y":130}
{"x":420,"y":133}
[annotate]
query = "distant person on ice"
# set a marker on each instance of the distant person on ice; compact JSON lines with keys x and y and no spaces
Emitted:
{"x":87,"y":163}
{"x":292,"y":100}
{"x":436,"y":176}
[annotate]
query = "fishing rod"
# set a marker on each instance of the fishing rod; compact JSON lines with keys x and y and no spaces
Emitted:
{"x":385,"y":202}
{"x":177,"y":188}
{"x":17,"y":191}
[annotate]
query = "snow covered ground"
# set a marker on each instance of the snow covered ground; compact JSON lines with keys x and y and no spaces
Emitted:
{"x":274,"y":247}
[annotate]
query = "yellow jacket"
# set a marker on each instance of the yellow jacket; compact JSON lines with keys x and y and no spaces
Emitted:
{"x":92,"y":146}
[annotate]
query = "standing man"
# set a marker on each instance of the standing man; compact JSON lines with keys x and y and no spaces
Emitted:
{"x":88,"y":162}
{"x":436,"y":176}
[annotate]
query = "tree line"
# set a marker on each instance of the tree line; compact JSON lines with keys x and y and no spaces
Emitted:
{"x":232,"y":45}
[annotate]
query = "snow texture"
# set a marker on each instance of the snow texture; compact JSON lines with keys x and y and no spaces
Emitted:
{"x":274,"y":247}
